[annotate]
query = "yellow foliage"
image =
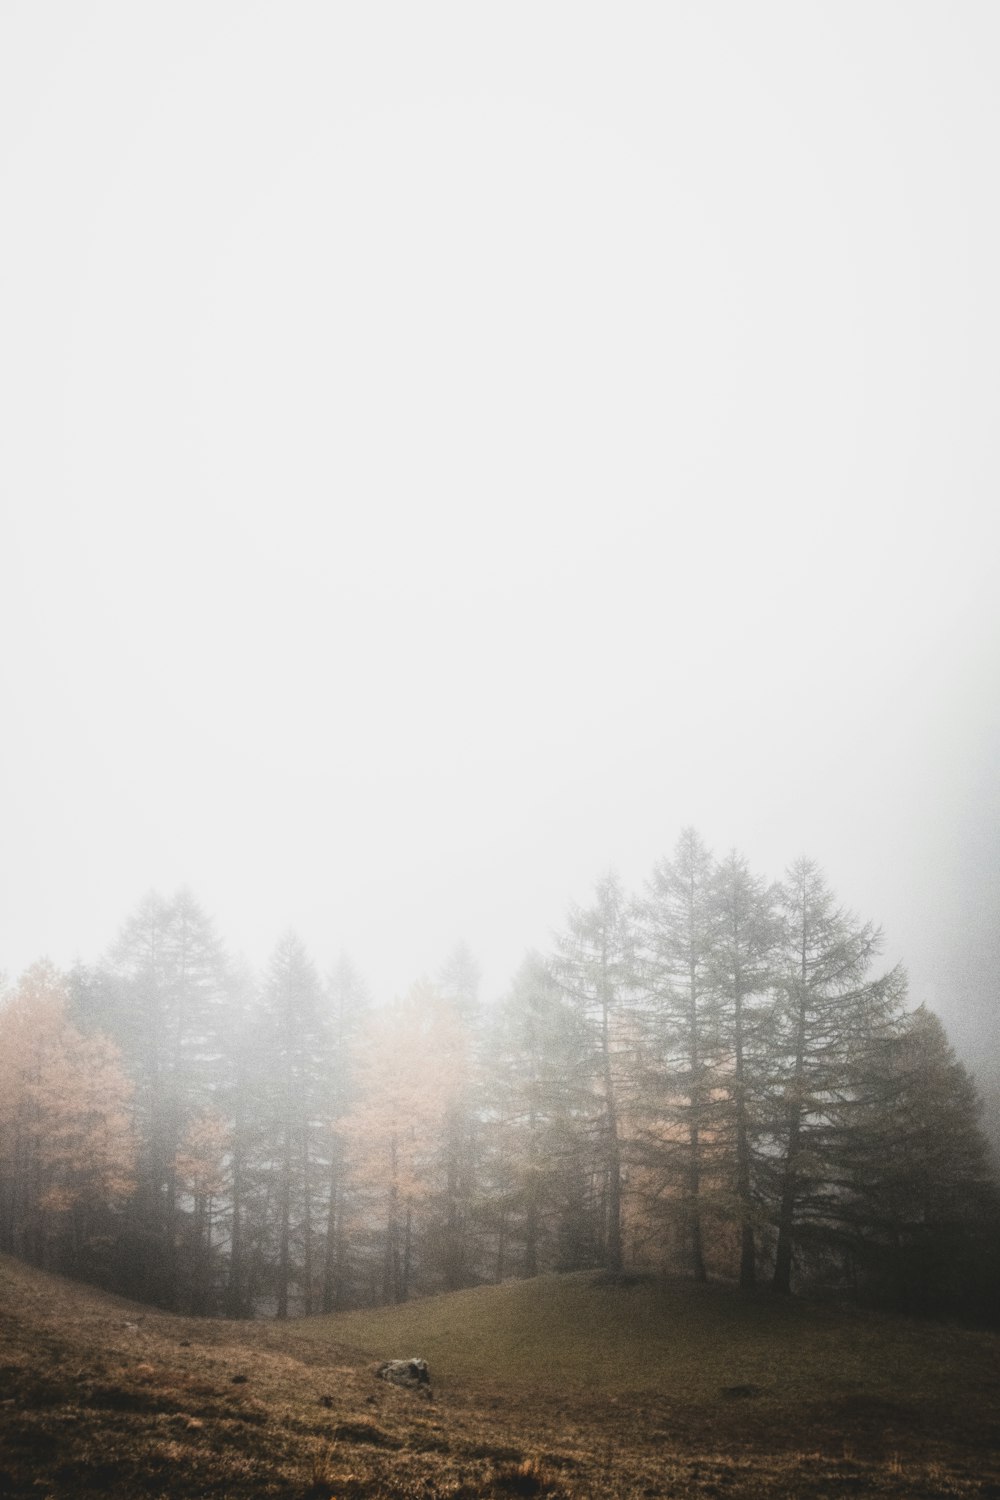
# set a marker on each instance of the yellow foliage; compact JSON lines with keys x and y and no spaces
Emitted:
{"x":200,"y":1161}
{"x":411,"y":1068}
{"x":65,"y":1122}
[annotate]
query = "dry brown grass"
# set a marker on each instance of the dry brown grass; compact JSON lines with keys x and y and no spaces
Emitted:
{"x":99,"y":1397}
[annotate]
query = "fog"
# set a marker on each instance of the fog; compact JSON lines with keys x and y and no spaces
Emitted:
{"x":450,"y":448}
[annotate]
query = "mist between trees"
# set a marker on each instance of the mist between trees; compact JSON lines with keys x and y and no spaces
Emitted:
{"x":712,"y":1077}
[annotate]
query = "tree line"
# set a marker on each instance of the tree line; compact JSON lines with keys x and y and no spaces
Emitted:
{"x":712,"y":1076}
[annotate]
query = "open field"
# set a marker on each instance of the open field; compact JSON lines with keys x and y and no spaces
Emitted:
{"x":566,"y":1387}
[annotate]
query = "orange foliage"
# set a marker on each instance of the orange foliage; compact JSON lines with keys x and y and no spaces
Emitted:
{"x":201,"y":1159}
{"x":410,"y":1070}
{"x":65,"y":1126}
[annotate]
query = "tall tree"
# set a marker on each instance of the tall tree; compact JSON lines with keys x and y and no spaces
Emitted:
{"x":918,"y":1204}
{"x":593,"y":969}
{"x":536,"y":1120}
{"x":162,"y":995}
{"x":348,"y":1005}
{"x":241,"y":1095}
{"x":744,"y":936}
{"x":830,"y":1012}
{"x":405,"y":1086}
{"x":676,"y":921}
{"x":66,"y":1146}
{"x":458,"y":986}
{"x":203,"y":1165}
{"x":295,"y":1037}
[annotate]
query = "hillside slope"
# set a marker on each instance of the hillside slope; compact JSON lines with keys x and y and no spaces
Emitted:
{"x":563,"y":1387}
{"x":596,"y":1334}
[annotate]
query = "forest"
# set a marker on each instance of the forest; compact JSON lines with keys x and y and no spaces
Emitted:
{"x":713,"y":1076}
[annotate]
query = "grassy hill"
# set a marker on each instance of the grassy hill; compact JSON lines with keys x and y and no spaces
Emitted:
{"x":595,"y":1334}
{"x":565,"y":1386}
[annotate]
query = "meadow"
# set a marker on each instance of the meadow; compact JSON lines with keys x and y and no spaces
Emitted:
{"x":574,"y":1386}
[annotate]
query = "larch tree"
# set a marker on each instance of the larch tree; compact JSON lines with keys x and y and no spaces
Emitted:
{"x":66,"y":1144}
{"x":830,"y":1013}
{"x":535,"y":1118}
{"x":919,"y":1207}
{"x":241,"y":1093}
{"x":744,"y":934}
{"x":593,"y":968}
{"x":458,"y":986}
{"x":675,"y":929}
{"x":164,"y":1003}
{"x":294,"y":1065}
{"x":406,"y":1085}
{"x":203,"y":1166}
{"x":347,"y":1006}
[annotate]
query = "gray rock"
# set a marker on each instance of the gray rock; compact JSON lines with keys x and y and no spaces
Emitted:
{"x":406,"y":1372}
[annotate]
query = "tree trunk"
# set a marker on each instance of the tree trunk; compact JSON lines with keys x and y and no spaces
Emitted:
{"x":748,"y":1249}
{"x":284,"y":1223}
{"x":307,"y":1244}
{"x":332,"y":1228}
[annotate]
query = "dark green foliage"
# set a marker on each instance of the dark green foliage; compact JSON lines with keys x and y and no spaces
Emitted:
{"x":921,"y":1213}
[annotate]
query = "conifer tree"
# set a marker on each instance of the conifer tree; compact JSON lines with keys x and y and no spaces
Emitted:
{"x":533,"y":1051}
{"x":920,"y":1208}
{"x":675,"y":934}
{"x":458,"y":986}
{"x":742,"y":952}
{"x":294,"y":1067}
{"x":593,"y":969}
{"x":405,"y":1087}
{"x":66,"y":1145}
{"x":348,"y":1004}
{"x":162,"y":996}
{"x":829,"y":1015}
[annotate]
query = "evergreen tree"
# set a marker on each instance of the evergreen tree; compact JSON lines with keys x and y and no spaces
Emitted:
{"x":161,"y":995}
{"x":676,"y":928}
{"x":458,"y":986}
{"x":593,"y":969}
{"x":241,"y":1094}
{"x":348,"y":1005}
{"x":829,"y":1015}
{"x":742,"y":951}
{"x":921,"y":1211}
{"x":535,"y":1120}
{"x":294,"y":1067}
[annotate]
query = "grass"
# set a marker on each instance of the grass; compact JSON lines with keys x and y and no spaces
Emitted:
{"x":563,"y":1387}
{"x":586,"y":1333}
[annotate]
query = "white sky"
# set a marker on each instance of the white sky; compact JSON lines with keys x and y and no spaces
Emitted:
{"x":448,"y":448}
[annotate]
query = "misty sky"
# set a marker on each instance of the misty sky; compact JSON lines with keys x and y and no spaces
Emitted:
{"x":446,"y":449}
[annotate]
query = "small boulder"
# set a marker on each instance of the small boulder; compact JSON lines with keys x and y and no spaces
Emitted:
{"x":411,"y":1373}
